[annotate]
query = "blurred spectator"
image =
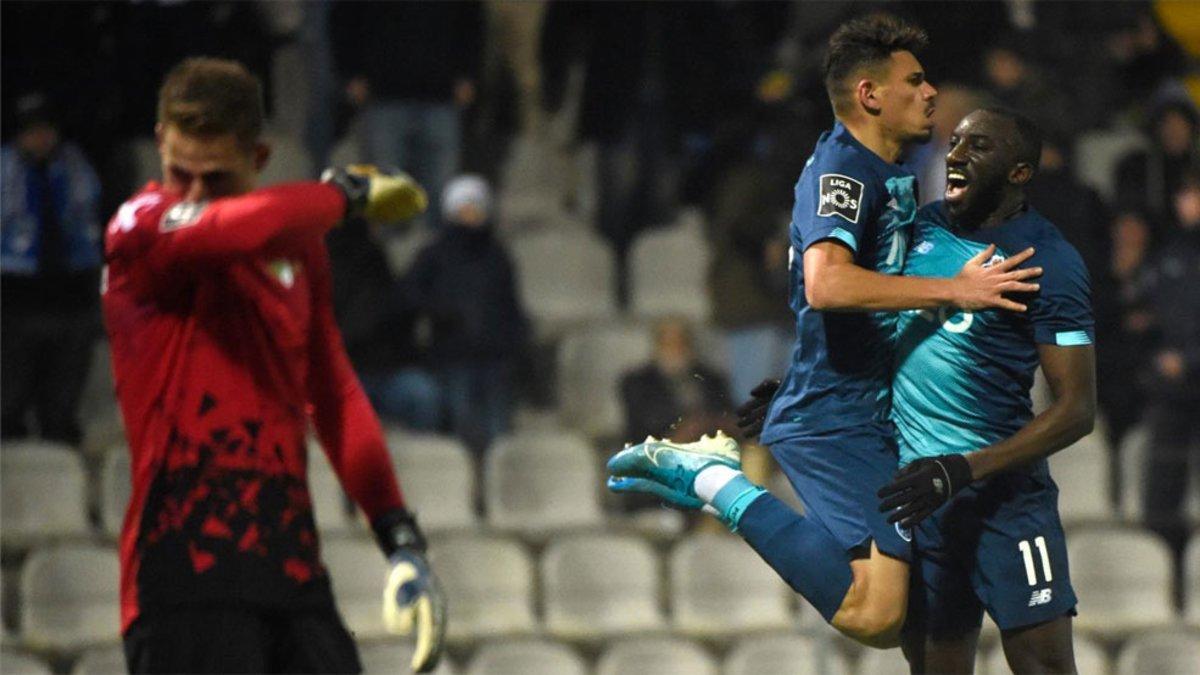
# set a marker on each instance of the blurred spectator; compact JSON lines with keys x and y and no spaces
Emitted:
{"x":674,"y":395}
{"x":380,"y":331}
{"x":1143,"y":54}
{"x":465,"y":281}
{"x":1016,"y":81}
{"x":412,"y":67}
{"x":1073,"y":207}
{"x":1172,"y":294}
{"x":50,"y":238}
{"x":1147,"y":179}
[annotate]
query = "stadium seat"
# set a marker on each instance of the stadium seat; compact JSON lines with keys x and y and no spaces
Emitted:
{"x":536,"y":483}
{"x":655,"y":656}
{"x":1191,"y":581}
{"x":564,"y":277}
{"x":882,"y":662}
{"x":782,"y":488}
{"x":1097,"y":154}
{"x":16,"y":663}
{"x":668,"y":271}
{"x":532,"y":657}
{"x":1160,"y":653}
{"x":116,"y":484}
{"x":601,"y":585}
{"x":1089,"y":658}
{"x":290,"y":161}
{"x":102,"y":661}
{"x":358,"y":571}
{"x":492,"y":599}
{"x":437,"y":476}
{"x":785,"y":655}
{"x":720,"y":586}
{"x":394,"y":656}
{"x":69,"y":597}
{"x":1133,"y":477}
{"x":1082,"y":474}
{"x":330,"y":508}
{"x":591,"y":361}
{"x":43,"y":492}
{"x":1122,"y":578}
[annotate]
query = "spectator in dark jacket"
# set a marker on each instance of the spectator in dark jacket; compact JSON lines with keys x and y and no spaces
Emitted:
{"x":1147,"y":179}
{"x":50,"y":242}
{"x":464,"y":281}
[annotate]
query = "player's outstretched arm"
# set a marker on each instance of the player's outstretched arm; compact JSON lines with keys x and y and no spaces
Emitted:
{"x":834,"y":282}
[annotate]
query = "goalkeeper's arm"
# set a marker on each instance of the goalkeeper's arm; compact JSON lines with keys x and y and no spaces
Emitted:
{"x":412,"y":599}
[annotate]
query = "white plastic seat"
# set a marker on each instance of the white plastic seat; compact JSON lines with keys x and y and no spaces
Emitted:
{"x":1191,"y":581}
{"x":1134,"y":449}
{"x":564,"y":277}
{"x":16,"y":663}
{"x":526,"y":657}
{"x":330,"y":510}
{"x":882,"y":662}
{"x":719,"y":585}
{"x":358,"y":571}
{"x":1160,"y":653}
{"x":1082,"y":474}
{"x":1122,"y":578}
{"x":1089,"y":658}
{"x":540,"y":482}
{"x":116,"y":485}
{"x":655,"y":656}
{"x":591,"y":362}
{"x":101,"y":661}
{"x":1099,"y":152}
{"x":489,"y":583}
{"x":668,"y":270}
{"x":70,"y":597}
{"x":601,"y":585}
{"x":394,"y":656}
{"x":43,"y":492}
{"x":437,"y":478}
{"x":784,"y":655}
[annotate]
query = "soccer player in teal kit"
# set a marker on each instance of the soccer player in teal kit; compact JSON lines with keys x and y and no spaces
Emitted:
{"x":975,"y":486}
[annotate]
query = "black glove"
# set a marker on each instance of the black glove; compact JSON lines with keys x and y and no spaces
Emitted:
{"x":753,"y":413}
{"x":922,"y":487}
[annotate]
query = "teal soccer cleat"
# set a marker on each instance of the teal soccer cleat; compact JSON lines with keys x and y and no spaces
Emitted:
{"x":674,"y":465}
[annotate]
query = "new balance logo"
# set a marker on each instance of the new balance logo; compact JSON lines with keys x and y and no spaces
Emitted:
{"x":1040,"y":597}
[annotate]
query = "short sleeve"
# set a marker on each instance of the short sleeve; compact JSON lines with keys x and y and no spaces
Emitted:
{"x":834,"y":201}
{"x":1061,"y":313}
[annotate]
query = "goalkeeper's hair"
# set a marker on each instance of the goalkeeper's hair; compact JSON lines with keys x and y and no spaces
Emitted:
{"x":208,"y":97}
{"x":866,"y":43}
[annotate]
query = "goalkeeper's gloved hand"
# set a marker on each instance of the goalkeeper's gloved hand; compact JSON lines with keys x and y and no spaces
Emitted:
{"x":412,"y":599}
{"x":378,"y":196}
{"x":753,"y":413}
{"x":922,"y":487}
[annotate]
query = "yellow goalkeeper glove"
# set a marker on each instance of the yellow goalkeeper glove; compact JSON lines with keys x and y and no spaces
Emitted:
{"x":413,"y":602}
{"x":378,"y":196}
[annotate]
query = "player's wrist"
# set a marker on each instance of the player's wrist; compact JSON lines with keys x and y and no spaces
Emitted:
{"x":355,"y":188}
{"x":397,"y":532}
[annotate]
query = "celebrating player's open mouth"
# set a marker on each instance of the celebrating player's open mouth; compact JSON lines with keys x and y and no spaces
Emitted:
{"x":956,"y":185}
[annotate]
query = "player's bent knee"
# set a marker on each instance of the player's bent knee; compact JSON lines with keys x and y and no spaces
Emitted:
{"x":877,"y":627}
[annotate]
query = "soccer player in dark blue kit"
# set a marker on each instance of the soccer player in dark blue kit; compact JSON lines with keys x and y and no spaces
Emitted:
{"x":829,"y":426}
{"x":975,"y":486}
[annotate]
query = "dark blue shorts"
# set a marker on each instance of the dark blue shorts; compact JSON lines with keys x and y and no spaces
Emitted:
{"x":837,"y":475}
{"x":997,"y":545}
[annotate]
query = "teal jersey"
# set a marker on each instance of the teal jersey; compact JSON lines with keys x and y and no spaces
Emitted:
{"x":962,"y":378}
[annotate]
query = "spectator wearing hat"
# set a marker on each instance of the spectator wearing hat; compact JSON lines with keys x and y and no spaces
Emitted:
{"x":463,"y":280}
{"x":1147,"y":179}
{"x":50,"y":254}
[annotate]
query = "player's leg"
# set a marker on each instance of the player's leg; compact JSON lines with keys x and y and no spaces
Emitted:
{"x":942,"y":656}
{"x":198,"y":640}
{"x":313,"y":641}
{"x":872,"y":611}
{"x":1041,"y":648}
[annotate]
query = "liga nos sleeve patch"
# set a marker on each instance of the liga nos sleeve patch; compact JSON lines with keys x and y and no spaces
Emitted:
{"x":840,"y":196}
{"x":181,"y":215}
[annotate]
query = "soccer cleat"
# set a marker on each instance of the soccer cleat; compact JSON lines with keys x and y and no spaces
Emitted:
{"x":675,"y":465}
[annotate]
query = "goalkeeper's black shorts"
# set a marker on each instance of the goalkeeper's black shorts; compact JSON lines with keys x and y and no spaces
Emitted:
{"x":240,"y":640}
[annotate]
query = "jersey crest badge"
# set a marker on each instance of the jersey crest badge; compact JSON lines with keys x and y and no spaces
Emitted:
{"x":840,"y":196}
{"x":181,"y":215}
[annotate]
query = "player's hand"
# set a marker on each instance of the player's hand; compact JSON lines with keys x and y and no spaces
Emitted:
{"x":753,"y":413}
{"x":378,"y":196}
{"x":980,"y":285}
{"x":413,"y":602}
{"x":922,"y":487}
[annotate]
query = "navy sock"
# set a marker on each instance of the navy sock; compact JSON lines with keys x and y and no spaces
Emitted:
{"x":801,"y":550}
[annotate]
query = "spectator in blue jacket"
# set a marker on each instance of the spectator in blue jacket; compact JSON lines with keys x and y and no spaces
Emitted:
{"x":50,"y":255}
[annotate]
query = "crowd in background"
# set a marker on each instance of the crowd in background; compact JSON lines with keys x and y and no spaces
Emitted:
{"x":700,"y":108}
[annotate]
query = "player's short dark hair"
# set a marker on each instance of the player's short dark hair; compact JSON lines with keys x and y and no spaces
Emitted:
{"x":1029,"y":135}
{"x":207,"y":96}
{"x":867,"y":42}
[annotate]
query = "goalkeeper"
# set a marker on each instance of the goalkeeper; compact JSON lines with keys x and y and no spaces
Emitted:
{"x":217,"y":303}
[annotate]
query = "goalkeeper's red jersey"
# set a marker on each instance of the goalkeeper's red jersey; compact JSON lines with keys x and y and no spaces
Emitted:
{"x":224,"y":349}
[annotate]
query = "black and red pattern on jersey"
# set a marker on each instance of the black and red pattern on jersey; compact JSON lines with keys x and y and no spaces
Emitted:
{"x":224,"y":350}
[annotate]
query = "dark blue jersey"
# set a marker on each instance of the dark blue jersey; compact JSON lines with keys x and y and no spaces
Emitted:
{"x":962,"y":378}
{"x":839,"y":375}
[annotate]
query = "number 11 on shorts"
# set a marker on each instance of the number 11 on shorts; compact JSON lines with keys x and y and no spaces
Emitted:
{"x":1027,"y":554}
